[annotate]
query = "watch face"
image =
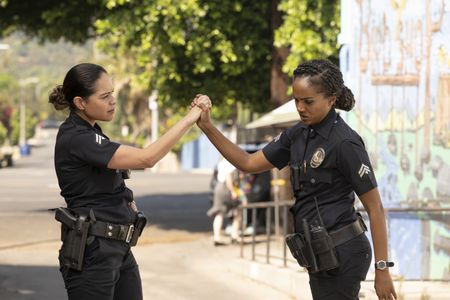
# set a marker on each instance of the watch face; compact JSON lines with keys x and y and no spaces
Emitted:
{"x":380,"y":265}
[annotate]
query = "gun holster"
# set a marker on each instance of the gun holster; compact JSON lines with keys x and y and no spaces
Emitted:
{"x":297,"y":245}
{"x":74,"y":234}
{"x":315,"y":251}
{"x":139,"y":226}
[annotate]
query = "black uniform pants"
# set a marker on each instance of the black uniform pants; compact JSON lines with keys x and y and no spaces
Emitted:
{"x":344,"y":282}
{"x":109,"y":272}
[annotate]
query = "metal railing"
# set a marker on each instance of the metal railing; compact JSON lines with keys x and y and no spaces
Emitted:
{"x":284,"y":206}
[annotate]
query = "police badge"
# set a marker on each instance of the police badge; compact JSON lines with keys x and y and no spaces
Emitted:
{"x":317,"y":158}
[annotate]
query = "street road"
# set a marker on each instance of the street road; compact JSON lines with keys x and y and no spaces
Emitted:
{"x":175,"y":254}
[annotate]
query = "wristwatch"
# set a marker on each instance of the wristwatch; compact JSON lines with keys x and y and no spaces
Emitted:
{"x":382,"y":264}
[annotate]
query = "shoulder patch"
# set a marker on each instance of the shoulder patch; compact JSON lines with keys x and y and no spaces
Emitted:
{"x":99,"y":138}
{"x":275,"y":139}
{"x":363,"y":170}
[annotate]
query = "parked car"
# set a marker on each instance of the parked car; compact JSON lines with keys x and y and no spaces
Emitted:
{"x":49,"y":123}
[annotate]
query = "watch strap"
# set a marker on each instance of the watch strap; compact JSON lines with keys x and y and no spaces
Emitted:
{"x":387,"y":264}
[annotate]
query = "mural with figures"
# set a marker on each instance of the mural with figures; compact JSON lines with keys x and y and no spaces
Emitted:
{"x":396,"y":59}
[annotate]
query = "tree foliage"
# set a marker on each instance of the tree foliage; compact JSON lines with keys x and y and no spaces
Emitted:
{"x":182,"y":47}
{"x":186,"y":47}
{"x":46,"y":64}
{"x":49,"y":20}
{"x":310,"y":29}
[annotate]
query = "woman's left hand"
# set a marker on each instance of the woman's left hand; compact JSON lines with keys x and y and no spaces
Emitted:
{"x":133,"y":206}
{"x":204,"y":103}
{"x":384,"y":286}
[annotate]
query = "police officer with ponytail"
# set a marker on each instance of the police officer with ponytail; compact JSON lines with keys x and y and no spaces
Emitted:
{"x":329,"y":165}
{"x":101,"y":221}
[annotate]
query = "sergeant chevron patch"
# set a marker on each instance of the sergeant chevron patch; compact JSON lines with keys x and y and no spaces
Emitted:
{"x":99,"y":139}
{"x":363,"y":170}
{"x":277,"y":137}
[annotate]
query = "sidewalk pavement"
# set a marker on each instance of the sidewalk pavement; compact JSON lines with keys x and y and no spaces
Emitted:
{"x":294,"y":281}
{"x":184,"y":267}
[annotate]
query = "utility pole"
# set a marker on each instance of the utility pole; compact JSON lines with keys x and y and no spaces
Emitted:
{"x":24,"y":148}
{"x":3,"y":47}
{"x":153,"y":106}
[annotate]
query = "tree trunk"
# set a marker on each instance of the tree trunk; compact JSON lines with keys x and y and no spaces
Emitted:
{"x":279,"y":81}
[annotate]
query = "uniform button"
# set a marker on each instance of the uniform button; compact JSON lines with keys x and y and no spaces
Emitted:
{"x":313,"y":180}
{"x":110,"y":227}
{"x":109,"y":233}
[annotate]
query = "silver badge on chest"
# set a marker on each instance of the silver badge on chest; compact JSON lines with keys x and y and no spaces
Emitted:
{"x":317,"y":158}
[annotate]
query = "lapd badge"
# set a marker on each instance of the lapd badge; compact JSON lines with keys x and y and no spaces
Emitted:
{"x":317,"y":158}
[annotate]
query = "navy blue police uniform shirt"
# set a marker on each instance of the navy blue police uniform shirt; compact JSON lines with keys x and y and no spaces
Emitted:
{"x":82,"y":153}
{"x":333,"y":165}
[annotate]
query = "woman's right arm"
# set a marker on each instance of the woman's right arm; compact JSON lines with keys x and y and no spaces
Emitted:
{"x":128,"y":157}
{"x":250,"y":163}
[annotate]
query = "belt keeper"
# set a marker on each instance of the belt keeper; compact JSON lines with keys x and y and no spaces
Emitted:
{"x":129,"y":233}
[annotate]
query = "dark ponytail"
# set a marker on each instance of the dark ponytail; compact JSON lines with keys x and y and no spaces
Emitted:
{"x":79,"y":82}
{"x":328,"y":79}
{"x":57,"y":98}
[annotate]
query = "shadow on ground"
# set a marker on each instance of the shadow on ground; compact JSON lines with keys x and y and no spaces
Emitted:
{"x":177,"y":211}
{"x":31,"y":283}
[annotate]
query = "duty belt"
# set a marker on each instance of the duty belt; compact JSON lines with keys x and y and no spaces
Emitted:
{"x":112,"y":231}
{"x":343,"y":234}
{"x":338,"y":237}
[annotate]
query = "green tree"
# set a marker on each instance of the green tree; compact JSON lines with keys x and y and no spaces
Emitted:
{"x":7,"y":88}
{"x":51,"y":19}
{"x":3,"y":134}
{"x":310,"y":29}
{"x":222,"y":48}
{"x":234,"y":51}
{"x":181,"y":48}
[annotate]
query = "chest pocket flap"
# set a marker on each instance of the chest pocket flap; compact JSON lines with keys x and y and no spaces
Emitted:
{"x":315,"y":176}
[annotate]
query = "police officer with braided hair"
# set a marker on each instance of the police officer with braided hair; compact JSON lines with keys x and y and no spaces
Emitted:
{"x":329,"y":164}
{"x":101,"y":221}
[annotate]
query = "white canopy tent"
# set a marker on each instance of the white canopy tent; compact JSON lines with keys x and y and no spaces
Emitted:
{"x":282,"y":116}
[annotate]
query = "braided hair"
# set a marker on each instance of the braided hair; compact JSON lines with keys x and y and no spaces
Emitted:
{"x":327,"y":78}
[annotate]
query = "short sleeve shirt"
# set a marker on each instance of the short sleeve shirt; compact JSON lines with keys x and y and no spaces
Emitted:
{"x":82,"y":154}
{"x":329,"y":164}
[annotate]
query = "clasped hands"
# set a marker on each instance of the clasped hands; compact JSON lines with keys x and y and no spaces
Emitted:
{"x":200,"y":109}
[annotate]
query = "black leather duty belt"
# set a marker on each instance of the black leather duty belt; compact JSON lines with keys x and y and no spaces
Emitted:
{"x":348,"y":232}
{"x":112,"y":231}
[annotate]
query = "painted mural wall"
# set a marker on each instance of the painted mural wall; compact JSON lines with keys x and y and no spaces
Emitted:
{"x":396,"y":59}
